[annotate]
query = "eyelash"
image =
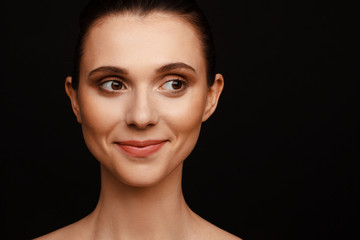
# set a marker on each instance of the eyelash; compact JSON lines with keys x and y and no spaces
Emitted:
{"x":179,"y":91}
{"x":105,"y":80}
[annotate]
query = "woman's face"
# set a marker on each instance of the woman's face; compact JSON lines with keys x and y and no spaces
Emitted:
{"x":142,"y":95}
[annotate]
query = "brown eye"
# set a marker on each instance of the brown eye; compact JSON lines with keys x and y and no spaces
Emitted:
{"x":176,"y":84}
{"x":116,"y":85}
{"x":113,"y":85}
{"x":173,"y":85}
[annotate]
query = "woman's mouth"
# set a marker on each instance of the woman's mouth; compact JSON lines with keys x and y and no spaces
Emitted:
{"x":136,"y":148}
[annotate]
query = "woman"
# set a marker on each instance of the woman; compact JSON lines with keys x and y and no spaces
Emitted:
{"x":142,"y":86}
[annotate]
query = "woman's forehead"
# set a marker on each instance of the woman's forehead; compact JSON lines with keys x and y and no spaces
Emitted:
{"x":152,"y":40}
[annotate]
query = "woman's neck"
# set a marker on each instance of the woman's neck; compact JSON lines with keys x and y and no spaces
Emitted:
{"x":126,"y":212}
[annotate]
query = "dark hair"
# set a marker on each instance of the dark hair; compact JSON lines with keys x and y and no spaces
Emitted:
{"x":188,"y":9}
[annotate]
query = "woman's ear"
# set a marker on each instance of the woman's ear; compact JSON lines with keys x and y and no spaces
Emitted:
{"x":213,"y":96}
{"x":72,"y":93}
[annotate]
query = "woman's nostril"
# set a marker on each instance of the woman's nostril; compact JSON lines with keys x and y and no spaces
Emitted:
{"x":141,"y":119}
{"x":141,"y":126}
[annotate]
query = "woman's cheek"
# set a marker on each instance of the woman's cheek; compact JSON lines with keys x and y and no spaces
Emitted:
{"x":99,"y":112}
{"x":100,"y":116}
{"x":184,"y":114}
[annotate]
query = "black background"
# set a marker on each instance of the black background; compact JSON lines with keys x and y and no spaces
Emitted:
{"x":278,"y":160}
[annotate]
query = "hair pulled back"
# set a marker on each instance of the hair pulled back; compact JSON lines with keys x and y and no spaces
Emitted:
{"x":188,"y":9}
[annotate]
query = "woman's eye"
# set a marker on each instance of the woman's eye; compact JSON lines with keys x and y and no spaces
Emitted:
{"x":173,"y":85}
{"x":113,"y":85}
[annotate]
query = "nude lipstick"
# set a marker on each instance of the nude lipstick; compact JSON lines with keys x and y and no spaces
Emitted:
{"x":140,"y":148}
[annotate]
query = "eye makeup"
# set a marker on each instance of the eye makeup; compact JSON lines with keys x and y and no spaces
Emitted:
{"x":110,"y":84}
{"x":171,"y":82}
{"x":174,"y":86}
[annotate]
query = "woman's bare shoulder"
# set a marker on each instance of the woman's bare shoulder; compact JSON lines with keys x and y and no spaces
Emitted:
{"x":53,"y":235}
{"x":203,"y":230}
{"x":220,"y":234}
{"x":58,"y":234}
{"x":72,"y":231}
{"x":209,"y":231}
{"x":62,"y":233}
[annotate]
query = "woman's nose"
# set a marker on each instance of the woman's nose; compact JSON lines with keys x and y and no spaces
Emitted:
{"x":141,"y":112}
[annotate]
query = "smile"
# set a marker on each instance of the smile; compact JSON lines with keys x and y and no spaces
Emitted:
{"x":140,"y":148}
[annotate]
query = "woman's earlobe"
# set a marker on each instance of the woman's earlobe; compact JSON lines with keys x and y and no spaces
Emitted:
{"x":72,"y":94}
{"x":213,"y":96}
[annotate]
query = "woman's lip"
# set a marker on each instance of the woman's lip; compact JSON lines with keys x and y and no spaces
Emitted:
{"x":140,"y":148}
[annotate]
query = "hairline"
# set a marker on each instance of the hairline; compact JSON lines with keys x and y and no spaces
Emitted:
{"x":190,"y":16}
{"x":184,"y":17}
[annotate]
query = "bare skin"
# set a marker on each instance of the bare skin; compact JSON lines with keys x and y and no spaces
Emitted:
{"x":156,"y":89}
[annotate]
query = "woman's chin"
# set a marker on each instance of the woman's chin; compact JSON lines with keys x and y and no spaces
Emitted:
{"x":144,"y":181}
{"x":141,"y":177}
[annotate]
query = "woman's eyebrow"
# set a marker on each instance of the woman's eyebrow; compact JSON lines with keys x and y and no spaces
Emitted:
{"x":109,"y":69}
{"x":172,"y":66}
{"x":162,"y":69}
